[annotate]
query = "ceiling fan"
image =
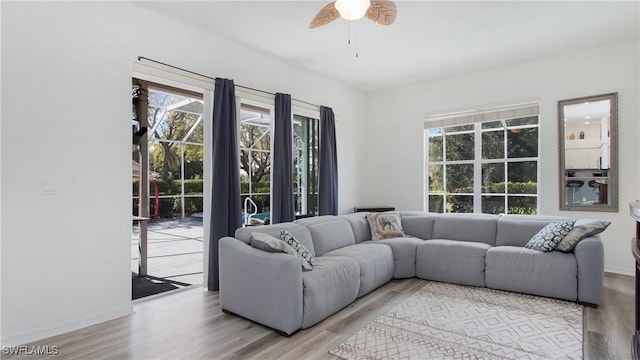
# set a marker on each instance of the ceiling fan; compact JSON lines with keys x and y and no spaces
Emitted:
{"x":381,"y":11}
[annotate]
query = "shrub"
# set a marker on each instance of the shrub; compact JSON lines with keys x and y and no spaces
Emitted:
{"x":463,"y":203}
{"x":170,"y":208}
{"x":173,"y":187}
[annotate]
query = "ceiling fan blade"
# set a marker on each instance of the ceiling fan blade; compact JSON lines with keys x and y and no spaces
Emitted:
{"x":382,"y":11}
{"x":325,"y":16}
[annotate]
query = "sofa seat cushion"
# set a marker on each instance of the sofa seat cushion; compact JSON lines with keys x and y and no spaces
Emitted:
{"x":452,"y":261}
{"x":330,"y":286}
{"x":375,"y":261}
{"x":404,"y":254}
{"x":513,"y":268}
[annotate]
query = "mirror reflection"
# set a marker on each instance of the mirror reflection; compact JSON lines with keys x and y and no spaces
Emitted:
{"x":587,"y":149}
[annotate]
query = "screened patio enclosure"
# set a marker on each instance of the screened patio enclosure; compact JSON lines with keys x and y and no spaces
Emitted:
{"x":255,"y":161}
{"x":176,"y":152}
{"x":256,"y":126}
{"x":168,"y":170}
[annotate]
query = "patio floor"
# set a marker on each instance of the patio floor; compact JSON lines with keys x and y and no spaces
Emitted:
{"x":174,"y":249}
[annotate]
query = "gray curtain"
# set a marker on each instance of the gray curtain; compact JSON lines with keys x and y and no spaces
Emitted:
{"x":225,"y":183}
{"x":283,"y":209}
{"x":327,"y":164}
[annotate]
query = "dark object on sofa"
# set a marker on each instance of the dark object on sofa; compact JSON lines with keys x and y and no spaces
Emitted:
{"x":374,"y":209}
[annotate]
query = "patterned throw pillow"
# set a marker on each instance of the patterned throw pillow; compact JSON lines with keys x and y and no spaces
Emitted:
{"x":273,"y":244}
{"x":385,"y":225}
{"x":581,"y":230}
{"x":549,"y":236}
{"x":302,"y":250}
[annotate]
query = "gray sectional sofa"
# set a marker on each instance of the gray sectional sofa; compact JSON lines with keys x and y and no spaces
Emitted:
{"x":471,"y":249}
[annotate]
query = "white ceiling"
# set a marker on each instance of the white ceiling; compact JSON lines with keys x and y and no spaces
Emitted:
{"x":429,"y":39}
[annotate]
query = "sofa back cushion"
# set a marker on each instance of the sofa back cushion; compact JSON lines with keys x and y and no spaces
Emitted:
{"x":328,"y":233}
{"x":517,"y":230}
{"x":359,"y":226}
{"x":418,"y":224}
{"x":301,"y":233}
{"x":466,"y":227}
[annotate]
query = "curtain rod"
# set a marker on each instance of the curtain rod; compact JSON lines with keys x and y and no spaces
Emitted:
{"x":214,"y":79}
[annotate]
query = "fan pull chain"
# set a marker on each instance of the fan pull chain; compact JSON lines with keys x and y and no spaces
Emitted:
{"x":356,"y":31}
{"x":349,"y":36}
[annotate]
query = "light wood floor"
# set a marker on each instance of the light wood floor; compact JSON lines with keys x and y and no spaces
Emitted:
{"x":190,"y":325}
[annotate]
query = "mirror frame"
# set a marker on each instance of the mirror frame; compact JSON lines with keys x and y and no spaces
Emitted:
{"x":613,"y":154}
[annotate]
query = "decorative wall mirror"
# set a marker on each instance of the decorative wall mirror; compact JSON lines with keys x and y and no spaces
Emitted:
{"x":588,"y":149}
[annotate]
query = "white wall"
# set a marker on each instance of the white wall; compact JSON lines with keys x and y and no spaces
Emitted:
{"x":66,"y":84}
{"x":394,"y":135}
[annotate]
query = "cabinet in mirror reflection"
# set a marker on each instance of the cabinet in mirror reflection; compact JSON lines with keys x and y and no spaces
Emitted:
{"x":588,"y":153}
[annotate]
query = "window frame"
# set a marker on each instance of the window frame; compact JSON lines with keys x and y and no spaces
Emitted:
{"x":306,"y":189}
{"x":251,"y":102}
{"x":153,"y":139}
{"x":477,"y":118}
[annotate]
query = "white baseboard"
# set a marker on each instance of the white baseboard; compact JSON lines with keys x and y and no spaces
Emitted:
{"x":39,"y":334}
{"x":620,"y":270}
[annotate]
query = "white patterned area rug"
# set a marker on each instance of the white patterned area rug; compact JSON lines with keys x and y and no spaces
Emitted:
{"x":446,"y":321}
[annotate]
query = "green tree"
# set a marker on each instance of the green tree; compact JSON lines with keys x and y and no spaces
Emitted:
{"x":459,"y":141}
{"x":255,"y":157}
{"x":165,"y":155}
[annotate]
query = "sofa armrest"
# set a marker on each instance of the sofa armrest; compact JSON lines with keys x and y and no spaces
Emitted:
{"x":262,"y":286}
{"x":589,"y":254}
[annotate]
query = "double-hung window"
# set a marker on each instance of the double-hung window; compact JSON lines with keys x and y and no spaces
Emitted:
{"x":483,"y":161}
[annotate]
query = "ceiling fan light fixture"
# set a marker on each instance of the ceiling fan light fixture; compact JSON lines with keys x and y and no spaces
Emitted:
{"x":383,"y":12}
{"x":352,"y":9}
